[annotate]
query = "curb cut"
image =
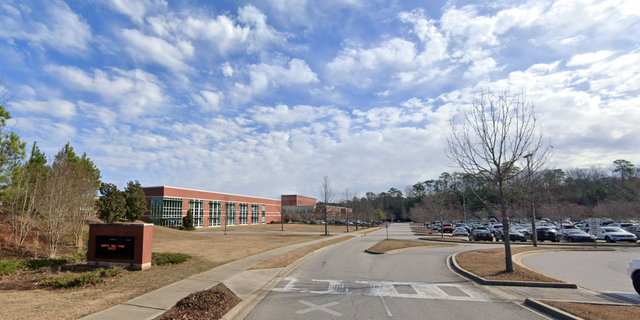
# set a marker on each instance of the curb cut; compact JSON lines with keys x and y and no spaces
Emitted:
{"x":549,"y":310}
{"x":483,"y":281}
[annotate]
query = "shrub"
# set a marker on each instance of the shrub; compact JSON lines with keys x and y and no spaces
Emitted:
{"x":187,"y":221}
{"x":159,"y":259}
{"x":73,"y":258}
{"x":91,"y":278}
{"x":85,"y":279}
{"x":8,"y":266}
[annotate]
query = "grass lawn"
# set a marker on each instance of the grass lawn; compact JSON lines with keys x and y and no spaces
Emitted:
{"x":208,"y":251}
{"x":288,"y":227}
{"x":288,"y":258}
{"x":387,"y":245}
{"x":490,"y":265}
{"x":589,"y":311}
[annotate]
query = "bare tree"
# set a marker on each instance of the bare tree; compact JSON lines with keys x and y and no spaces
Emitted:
{"x":489,"y":142}
{"x":54,"y":206}
{"x":326,"y":195}
{"x":22,"y":214}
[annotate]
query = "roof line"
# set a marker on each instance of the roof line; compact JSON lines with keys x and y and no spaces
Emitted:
{"x":230,"y":194}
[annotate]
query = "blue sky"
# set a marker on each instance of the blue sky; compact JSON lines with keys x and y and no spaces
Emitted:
{"x":265,"y":97}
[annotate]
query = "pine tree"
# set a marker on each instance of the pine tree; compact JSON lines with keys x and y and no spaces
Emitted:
{"x":136,"y":201}
{"x":112,"y":204}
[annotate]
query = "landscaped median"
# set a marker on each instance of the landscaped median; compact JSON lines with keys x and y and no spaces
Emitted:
{"x":568,"y":310}
{"x":481,"y":266}
{"x":389,"y":246}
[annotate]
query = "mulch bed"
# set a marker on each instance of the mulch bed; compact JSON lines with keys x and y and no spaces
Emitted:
{"x":208,"y":304}
{"x":590,"y":311}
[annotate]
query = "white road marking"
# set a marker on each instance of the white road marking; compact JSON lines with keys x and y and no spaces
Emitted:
{"x":313,"y":307}
{"x":386,"y":289}
{"x":378,"y":289}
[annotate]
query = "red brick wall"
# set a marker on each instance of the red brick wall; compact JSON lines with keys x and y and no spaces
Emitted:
{"x":143,"y":234}
{"x":272,"y":205}
{"x":297,"y":200}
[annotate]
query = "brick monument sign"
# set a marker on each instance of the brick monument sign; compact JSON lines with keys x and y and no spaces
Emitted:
{"x":126,"y":245}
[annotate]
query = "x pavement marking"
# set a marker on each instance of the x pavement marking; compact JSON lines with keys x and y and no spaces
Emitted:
{"x":323,"y":307}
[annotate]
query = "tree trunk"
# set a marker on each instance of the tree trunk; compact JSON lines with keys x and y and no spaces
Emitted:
{"x":507,"y":242}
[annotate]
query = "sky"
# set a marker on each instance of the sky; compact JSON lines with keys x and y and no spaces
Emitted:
{"x":265,"y":98}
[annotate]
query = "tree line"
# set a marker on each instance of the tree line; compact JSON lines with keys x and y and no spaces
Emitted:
{"x":53,"y":197}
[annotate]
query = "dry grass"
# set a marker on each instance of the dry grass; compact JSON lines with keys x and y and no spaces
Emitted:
{"x":489,"y":264}
{"x":288,"y":227}
{"x":222,"y":248}
{"x":597,"y":311}
{"x":290,"y":257}
{"x":208,"y":251}
{"x":387,"y":245}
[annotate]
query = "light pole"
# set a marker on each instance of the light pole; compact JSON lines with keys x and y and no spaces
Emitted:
{"x":534,"y":232}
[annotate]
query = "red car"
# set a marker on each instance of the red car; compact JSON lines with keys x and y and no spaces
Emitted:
{"x":447,"y":227}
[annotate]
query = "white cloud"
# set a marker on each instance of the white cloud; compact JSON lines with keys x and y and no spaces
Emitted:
{"x":383,"y":93}
{"x":282,"y":115}
{"x":136,"y":92}
{"x":136,"y":9}
{"x":61,"y":29}
{"x":263,"y":76}
{"x":208,"y":100}
{"x":54,"y":107}
{"x":227,"y":70}
{"x":151,"y":49}
{"x":481,"y":67}
{"x":250,"y":32}
{"x":97,"y":113}
{"x":589,"y":58}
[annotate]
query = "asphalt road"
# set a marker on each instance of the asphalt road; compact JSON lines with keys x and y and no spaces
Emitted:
{"x":595,"y":270}
{"x":345,"y":282}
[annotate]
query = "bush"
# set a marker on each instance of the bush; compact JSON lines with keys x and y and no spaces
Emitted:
{"x":187,"y":221}
{"x":73,"y":258}
{"x":9,"y":266}
{"x":286,"y":218}
{"x":168,"y":258}
{"x":90,"y":278}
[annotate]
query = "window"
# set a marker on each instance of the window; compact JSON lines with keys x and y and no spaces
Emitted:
{"x":255,"y":214}
{"x":244,"y":212}
{"x":231,"y":214}
{"x":263,"y":212}
{"x":215,"y":209}
{"x":166,"y":211}
{"x":197,"y":209}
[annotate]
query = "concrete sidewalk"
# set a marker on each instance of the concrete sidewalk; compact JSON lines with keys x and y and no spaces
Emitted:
{"x":234,"y":275}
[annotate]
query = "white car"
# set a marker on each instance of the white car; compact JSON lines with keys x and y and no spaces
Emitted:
{"x":613,"y":234}
{"x":634,"y":273}
{"x":460,"y":231}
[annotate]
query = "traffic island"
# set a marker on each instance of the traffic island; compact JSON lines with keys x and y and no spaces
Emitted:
{"x":480,"y":267}
{"x":571,"y":310}
{"x":390,"y":246}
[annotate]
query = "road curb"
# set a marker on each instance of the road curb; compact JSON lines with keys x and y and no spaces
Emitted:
{"x":549,"y":310}
{"x":483,"y":281}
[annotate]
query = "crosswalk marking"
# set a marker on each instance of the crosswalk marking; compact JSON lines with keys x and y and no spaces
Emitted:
{"x":384,"y":289}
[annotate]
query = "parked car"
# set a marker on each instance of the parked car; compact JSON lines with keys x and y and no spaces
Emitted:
{"x":447,"y":227}
{"x":460,"y":231}
{"x":547,"y":234}
{"x":514,"y":235}
{"x":576,"y":235}
{"x":479,"y":234}
{"x":613,"y":234}
{"x":634,"y":272}
{"x":635,"y":230}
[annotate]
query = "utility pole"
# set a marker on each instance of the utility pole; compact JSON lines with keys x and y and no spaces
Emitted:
{"x":534,"y":231}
